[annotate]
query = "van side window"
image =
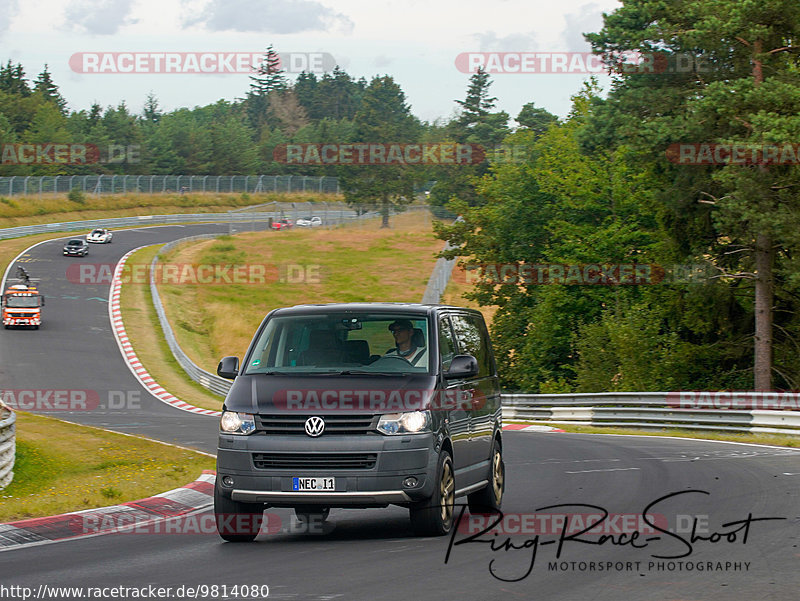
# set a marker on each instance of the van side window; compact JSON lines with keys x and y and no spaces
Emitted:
{"x":471,"y":341}
{"x":447,"y":347}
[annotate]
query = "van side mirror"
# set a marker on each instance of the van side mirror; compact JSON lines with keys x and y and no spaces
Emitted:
{"x":228,"y":367}
{"x":42,"y":301}
{"x":462,"y":366}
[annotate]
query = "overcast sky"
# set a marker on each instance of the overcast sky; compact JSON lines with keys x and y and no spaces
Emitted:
{"x":415,"y":41}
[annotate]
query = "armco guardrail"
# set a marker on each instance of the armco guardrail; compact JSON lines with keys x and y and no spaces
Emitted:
{"x":213,"y":382}
{"x":440,"y":277}
{"x":643,"y":410}
{"x":279,"y":210}
{"x":8,"y":449}
{"x":438,"y":280}
{"x":160,"y":184}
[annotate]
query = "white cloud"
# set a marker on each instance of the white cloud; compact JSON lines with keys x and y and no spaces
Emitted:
{"x":589,"y":18}
{"x":104,"y":17}
{"x":517,"y":42}
{"x":7,"y":13}
{"x":276,"y":16}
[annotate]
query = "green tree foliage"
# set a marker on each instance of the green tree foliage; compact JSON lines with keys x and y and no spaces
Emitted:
{"x":535,"y":119}
{"x":12,"y":80}
{"x":335,"y":95}
{"x":383,"y":118}
{"x":476,"y":125}
{"x":45,"y":86}
{"x":599,"y":188}
{"x":232,"y":150}
{"x":743,"y":90}
{"x":270,"y":79}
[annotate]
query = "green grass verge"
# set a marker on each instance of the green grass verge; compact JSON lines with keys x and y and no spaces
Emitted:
{"x":62,"y":467}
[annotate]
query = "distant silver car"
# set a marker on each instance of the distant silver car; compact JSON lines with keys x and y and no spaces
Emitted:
{"x":100,"y":236}
{"x":309,"y":221}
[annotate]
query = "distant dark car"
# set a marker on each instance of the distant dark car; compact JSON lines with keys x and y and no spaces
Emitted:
{"x":77,"y":247}
{"x":282,"y":224}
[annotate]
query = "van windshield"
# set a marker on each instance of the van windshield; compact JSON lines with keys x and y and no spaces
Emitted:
{"x":368,"y":343}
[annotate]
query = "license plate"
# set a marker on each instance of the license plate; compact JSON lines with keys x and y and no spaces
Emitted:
{"x":318,"y":484}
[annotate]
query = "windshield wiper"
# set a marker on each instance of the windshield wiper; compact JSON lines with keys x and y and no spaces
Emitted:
{"x":362,"y":372}
{"x":273,"y":373}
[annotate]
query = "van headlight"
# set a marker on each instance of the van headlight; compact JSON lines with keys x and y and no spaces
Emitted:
{"x":232,"y":422}
{"x":410,"y":422}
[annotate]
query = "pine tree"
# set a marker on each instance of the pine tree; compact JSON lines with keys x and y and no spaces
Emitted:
{"x":152,"y":112}
{"x":478,"y":103}
{"x":270,"y":78}
{"x":46,"y":87}
{"x":12,"y":79}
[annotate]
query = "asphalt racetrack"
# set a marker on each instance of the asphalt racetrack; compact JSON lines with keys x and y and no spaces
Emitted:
{"x":723,"y":518}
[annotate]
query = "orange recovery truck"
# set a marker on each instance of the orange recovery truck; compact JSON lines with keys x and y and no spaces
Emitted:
{"x":22,"y":303}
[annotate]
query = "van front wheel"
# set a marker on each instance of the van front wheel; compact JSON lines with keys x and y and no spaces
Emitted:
{"x":489,"y":499}
{"x":237,"y":522}
{"x":434,"y":517}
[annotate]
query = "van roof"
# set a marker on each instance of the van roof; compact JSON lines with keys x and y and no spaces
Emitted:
{"x":399,"y":308}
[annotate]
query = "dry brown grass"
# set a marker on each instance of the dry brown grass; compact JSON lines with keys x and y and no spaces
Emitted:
{"x":357,"y":263}
{"x":51,"y":208}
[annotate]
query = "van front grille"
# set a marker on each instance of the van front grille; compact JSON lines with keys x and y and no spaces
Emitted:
{"x":334,"y":424}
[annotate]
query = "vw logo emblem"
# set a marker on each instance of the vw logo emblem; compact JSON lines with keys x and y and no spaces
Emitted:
{"x":315,"y":426}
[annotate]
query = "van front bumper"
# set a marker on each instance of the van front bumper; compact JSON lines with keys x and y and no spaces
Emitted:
{"x":403,"y":471}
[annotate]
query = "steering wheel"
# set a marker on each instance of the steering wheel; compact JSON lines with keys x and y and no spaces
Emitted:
{"x":392,"y":358}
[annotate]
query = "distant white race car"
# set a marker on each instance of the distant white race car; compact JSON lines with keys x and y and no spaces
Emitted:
{"x":100,"y":236}
{"x":309,"y":221}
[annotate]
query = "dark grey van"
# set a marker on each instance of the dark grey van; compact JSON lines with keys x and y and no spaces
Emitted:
{"x":361,"y":405}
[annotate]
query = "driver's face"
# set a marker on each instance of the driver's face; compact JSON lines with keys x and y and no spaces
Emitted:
{"x":402,"y":336}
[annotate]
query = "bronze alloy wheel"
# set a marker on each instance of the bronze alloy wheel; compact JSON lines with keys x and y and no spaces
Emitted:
{"x":446,"y":492}
{"x":489,"y":498}
{"x":498,"y":476}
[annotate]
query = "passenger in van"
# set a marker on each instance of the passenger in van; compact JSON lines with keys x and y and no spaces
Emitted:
{"x":410,"y":343}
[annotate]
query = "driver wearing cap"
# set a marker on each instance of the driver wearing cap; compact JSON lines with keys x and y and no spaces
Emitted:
{"x":403,"y":332}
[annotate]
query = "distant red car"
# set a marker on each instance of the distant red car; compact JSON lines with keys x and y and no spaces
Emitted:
{"x":282,"y":224}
